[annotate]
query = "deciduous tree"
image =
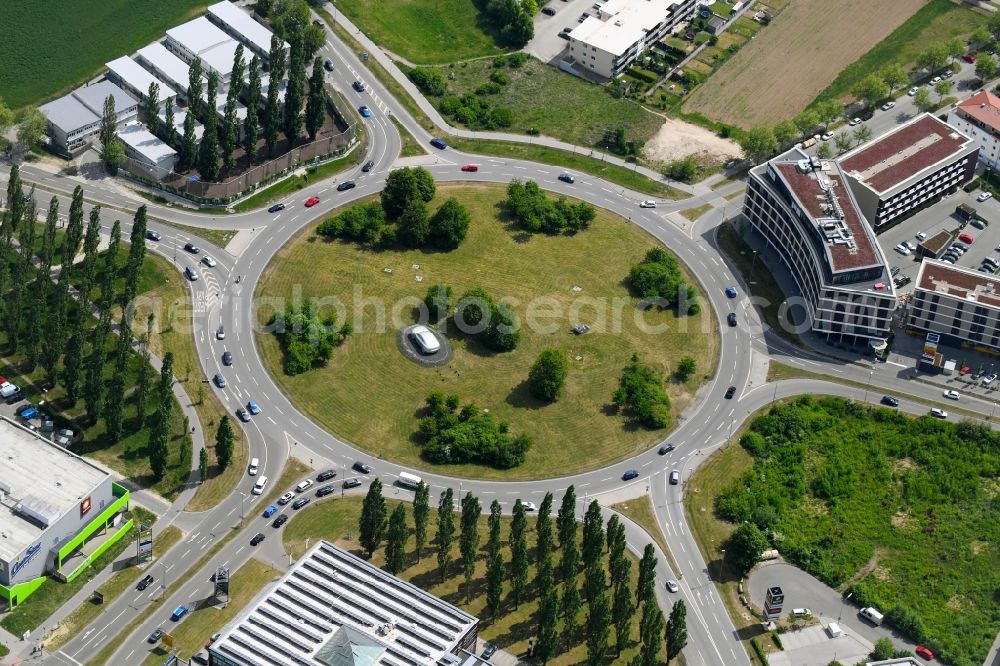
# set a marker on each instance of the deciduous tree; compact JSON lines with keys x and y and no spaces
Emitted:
{"x":225,"y":441}
{"x":676,"y":630}
{"x":519,"y":554}
{"x":395,"y":540}
{"x":446,"y":531}
{"x":547,"y":376}
{"x":421,"y":512}
{"x":758,"y":144}
{"x":468,"y":540}
{"x":373,"y":518}
{"x":315,"y":102}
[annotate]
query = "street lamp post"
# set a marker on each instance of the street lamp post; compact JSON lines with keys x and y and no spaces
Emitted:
{"x":871,"y":373}
{"x":843,"y":603}
{"x":722,"y":564}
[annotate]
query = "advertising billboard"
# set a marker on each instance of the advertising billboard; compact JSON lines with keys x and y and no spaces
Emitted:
{"x":145,"y":543}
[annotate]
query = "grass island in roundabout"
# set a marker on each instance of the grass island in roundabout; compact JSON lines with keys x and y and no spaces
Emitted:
{"x":371,"y":395}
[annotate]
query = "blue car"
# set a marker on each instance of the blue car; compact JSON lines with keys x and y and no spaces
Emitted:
{"x":365,"y":112}
{"x":254,"y":409}
{"x":731,"y":292}
{"x":629,"y":475}
{"x":178,"y":613}
{"x":269,"y":511}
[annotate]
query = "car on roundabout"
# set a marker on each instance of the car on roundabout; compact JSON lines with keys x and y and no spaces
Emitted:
{"x":362,"y":467}
{"x":630,"y":474}
{"x":731,"y":292}
{"x":253,"y":408}
{"x":279,"y":521}
{"x":270,"y":510}
{"x":243,"y":415}
{"x":227,"y":358}
{"x":528,"y":506}
{"x":286,"y":498}
{"x":179,"y":613}
{"x":192,"y":248}
{"x":675,"y":477}
{"x":312,"y":201}
{"x":665,"y":449}
{"x":326,"y":475}
{"x":470,"y":167}
{"x":730,"y":392}
{"x":369,"y":165}
{"x":352,"y":482}
{"x":567,"y":178}
{"x":365,"y":111}
{"x":155,"y":636}
{"x":276,"y":207}
{"x":257,"y":538}
{"x":153,"y":235}
{"x":208,"y":261}
{"x":346,"y":185}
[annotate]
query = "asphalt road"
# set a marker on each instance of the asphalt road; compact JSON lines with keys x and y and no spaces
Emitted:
{"x":281,"y":431}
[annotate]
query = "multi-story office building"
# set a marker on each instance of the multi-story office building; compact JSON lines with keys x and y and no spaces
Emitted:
{"x":135,"y":79}
{"x":238,"y":24}
{"x":617,"y":32}
{"x":74,"y":119}
{"x":806,"y":212}
{"x":908,"y":167}
{"x":961,"y":304}
{"x":979,"y":118}
{"x":202,"y":39}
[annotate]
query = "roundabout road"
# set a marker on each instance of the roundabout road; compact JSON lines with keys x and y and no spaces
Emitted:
{"x":281,"y":430}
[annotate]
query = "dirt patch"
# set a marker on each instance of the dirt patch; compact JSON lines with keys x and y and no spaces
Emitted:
{"x":765,"y":82}
{"x":904,"y":521}
{"x":815,"y":507}
{"x":881,"y":573}
{"x":677,"y":139}
{"x":902,"y":465}
{"x":959,"y":604}
{"x":869,"y":567}
{"x":978,"y":547}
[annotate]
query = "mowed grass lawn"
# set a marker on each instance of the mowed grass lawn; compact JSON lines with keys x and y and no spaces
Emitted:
{"x":337,"y":521}
{"x":371,"y":394}
{"x":49,"y":46}
{"x":762,"y":85}
{"x":555,"y":103}
{"x":423,"y":31}
{"x":936,"y":21}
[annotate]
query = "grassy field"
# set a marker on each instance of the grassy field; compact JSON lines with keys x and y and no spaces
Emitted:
{"x":696,"y":212}
{"x":204,"y":620}
{"x":218,"y":237}
{"x":557,"y":105}
{"x":51,"y":45}
{"x":423,"y":31}
{"x":172,"y":332}
{"x":936,"y":21}
{"x":337,"y":521}
{"x":762,"y":85}
{"x":53,"y":594}
{"x":902,"y":510}
{"x":88,"y":611}
{"x":370,"y":370}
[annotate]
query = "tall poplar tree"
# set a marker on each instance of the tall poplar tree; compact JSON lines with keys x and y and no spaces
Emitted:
{"x":373,"y":518}
{"x":446,"y":531}
{"x":196,"y":88}
{"x":421,"y":512}
{"x":395,"y":540}
{"x":208,"y":150}
{"x":272,"y":111}
{"x":494,"y":562}
{"x":518,"y":554}
{"x":315,"y":102}
{"x":295,"y":92}
{"x":676,"y":636}
{"x":151,"y":107}
{"x":169,"y":123}
{"x":469,"y":538}
{"x":566,"y":522}
{"x":250,"y":126}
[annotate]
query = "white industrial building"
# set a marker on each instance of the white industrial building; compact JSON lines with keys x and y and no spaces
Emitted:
{"x":167,"y":66}
{"x":618,"y":31}
{"x":147,"y":149}
{"x":202,"y":39}
{"x":135,"y":79}
{"x":74,"y":119}
{"x":179,"y":115}
{"x":239,"y":25}
{"x":333,"y":608}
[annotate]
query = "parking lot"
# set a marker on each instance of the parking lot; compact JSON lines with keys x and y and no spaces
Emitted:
{"x":34,"y":416}
{"x":942,"y":217}
{"x":546,"y":45}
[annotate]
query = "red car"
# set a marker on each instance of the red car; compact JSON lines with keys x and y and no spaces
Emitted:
{"x":966,"y":238}
{"x":969,"y":58}
{"x":470,"y":167}
{"x":312,"y":201}
{"x":924,"y":652}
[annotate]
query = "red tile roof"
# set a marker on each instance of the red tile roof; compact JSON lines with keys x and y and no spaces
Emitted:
{"x":959,"y":282}
{"x":811,"y":196}
{"x":985,"y":107}
{"x":903,"y":153}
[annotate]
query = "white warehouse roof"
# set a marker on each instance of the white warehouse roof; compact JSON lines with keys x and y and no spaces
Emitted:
{"x":133,"y":74}
{"x":139,"y":139}
{"x":85,"y":106}
{"x":167,"y":64}
{"x":198,"y":35}
{"x":241,"y":23}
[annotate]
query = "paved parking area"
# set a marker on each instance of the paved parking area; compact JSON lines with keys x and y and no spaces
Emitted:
{"x":546,"y":45}
{"x":813,"y":647}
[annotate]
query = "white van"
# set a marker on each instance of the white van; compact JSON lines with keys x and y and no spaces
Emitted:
{"x":254,"y":467}
{"x":8,"y":389}
{"x":409,"y":480}
{"x":258,"y":488}
{"x":871,"y":615}
{"x":833,"y":629}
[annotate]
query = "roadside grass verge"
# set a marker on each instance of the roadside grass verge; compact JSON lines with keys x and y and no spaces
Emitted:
{"x":293,"y":184}
{"x":218,"y":237}
{"x":696,"y":212}
{"x":410,"y":147}
{"x":640,"y":511}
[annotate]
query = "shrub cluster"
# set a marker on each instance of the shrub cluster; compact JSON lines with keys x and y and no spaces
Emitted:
{"x":429,"y":80}
{"x":306,"y":340}
{"x":548,"y":375}
{"x":468,"y":435}
{"x":494,"y":325}
{"x":534,"y":211}
{"x":475,"y":112}
{"x":512,"y":19}
{"x":438,"y":301}
{"x":659,"y":276}
{"x":640,"y":394}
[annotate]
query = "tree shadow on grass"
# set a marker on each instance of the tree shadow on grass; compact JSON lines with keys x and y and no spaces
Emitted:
{"x":520,"y":396}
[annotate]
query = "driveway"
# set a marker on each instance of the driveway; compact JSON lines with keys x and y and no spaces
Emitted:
{"x":546,"y":45}
{"x":805,"y":591}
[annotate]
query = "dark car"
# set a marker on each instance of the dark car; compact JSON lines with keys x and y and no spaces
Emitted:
{"x":548,"y":11}
{"x":352,"y":482}
{"x":629,"y":475}
{"x":155,"y":636}
{"x":439,"y":144}
{"x":318,"y":23}
{"x":276,"y":207}
{"x":300,"y":502}
{"x":257,"y":538}
{"x":360,"y":87}
{"x":152,"y":235}
{"x":890,"y":401}
{"x":146,"y":581}
{"x":15,"y":397}
{"x":323,"y":491}
{"x":219,"y":380}
{"x":279,"y":521}
{"x":730,"y":392}
{"x":346,"y":185}
{"x":227,"y":358}
{"x":368,"y":166}
{"x":564,"y":35}
{"x":362,"y":467}
{"x":567,"y":177}
{"x":192,"y":248}
{"x":326,"y":475}
{"x":328,"y":65}
{"x":488,"y":651}
{"x":665,"y":449}
{"x":243,"y":415}
{"x":731,"y":318}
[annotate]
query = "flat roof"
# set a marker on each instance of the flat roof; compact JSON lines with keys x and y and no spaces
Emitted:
{"x":172,"y":67}
{"x":138,"y":77}
{"x":240,"y":22}
{"x":142,"y":141}
{"x":621,"y":23}
{"x":905,"y":153}
{"x":937,"y":242}
{"x":824,"y":195}
{"x":93,"y":97}
{"x":220,"y":57}
{"x":84,"y":106}
{"x":220,"y":105}
{"x":984,"y":106}
{"x":333,"y":608}
{"x":42,"y":477}
{"x":958,"y":282}
{"x":179,"y":116}
{"x":198,"y":35}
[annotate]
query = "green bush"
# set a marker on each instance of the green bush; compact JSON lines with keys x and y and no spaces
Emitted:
{"x":499,"y":78}
{"x":517,"y":59}
{"x":759,"y":651}
{"x":548,"y":375}
{"x":488,"y":89}
{"x":306,"y":339}
{"x":641,"y":396}
{"x":429,"y":80}
{"x":492,"y":324}
{"x":659,"y":277}
{"x":468,"y":435}
{"x":534,"y":211}
{"x":438,"y":301}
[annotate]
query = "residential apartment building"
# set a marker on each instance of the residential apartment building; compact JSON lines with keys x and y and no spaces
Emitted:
{"x":618,"y":31}
{"x":960,"y":304}
{"x":908,"y":167}
{"x":807,"y":213}
{"x":979,"y":118}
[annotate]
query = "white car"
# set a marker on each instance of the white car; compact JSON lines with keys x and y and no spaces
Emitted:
{"x":936,"y":79}
{"x":827,"y":136}
{"x":888,"y":105}
{"x":254,"y":466}
{"x":912,"y":91}
{"x":286,"y":498}
{"x":989,"y":379}
{"x":854,"y":121}
{"x":647,"y":204}
{"x":938,"y":413}
{"x":950,"y":394}
{"x":902,"y":249}
{"x":221,"y":333}
{"x":208,"y":261}
{"x":672,"y":586}
{"x":910,"y":245}
{"x":426,"y":341}
{"x":921,"y":236}
{"x":984,"y":196}
{"x":303,"y":486}
{"x":528,"y":506}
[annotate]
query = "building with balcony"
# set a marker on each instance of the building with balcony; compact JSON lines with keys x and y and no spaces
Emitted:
{"x":618,"y":31}
{"x":979,"y":117}
{"x":74,"y":119}
{"x":908,"y":167}
{"x":805,"y":210}
{"x":962,"y":305}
